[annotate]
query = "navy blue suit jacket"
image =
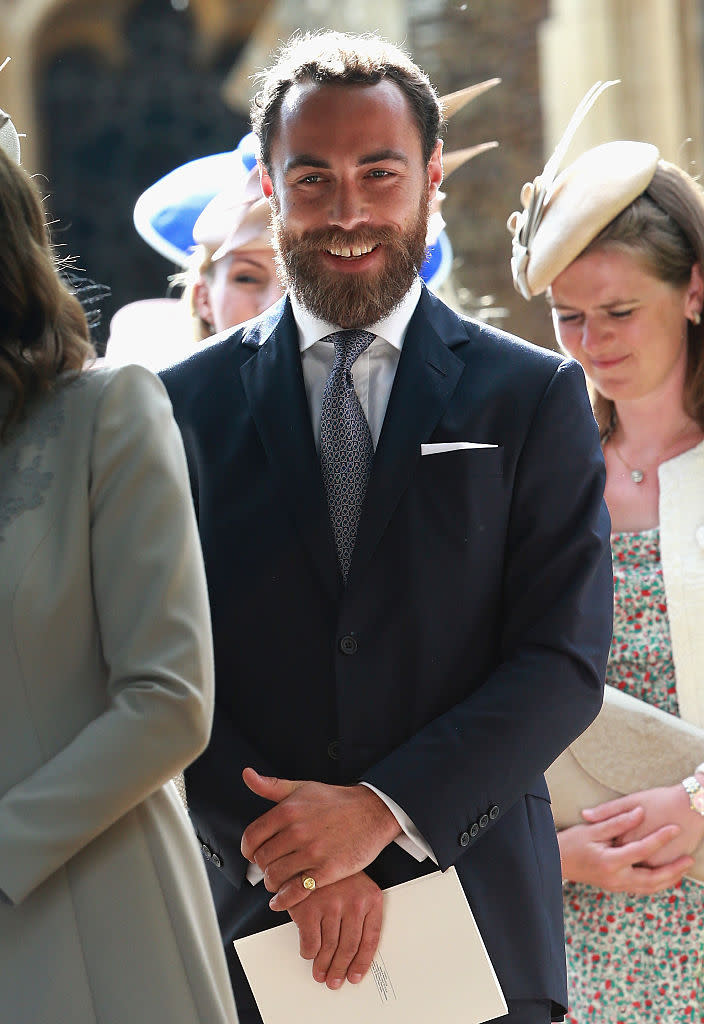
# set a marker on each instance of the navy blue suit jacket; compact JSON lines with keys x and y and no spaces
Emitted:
{"x":469,"y":646}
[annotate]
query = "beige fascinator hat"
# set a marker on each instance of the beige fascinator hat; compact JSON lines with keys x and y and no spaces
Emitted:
{"x":9,"y":140}
{"x":238,"y":217}
{"x":562,"y":213}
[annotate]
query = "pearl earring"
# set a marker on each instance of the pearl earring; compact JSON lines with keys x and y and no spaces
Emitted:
{"x":696,"y":318}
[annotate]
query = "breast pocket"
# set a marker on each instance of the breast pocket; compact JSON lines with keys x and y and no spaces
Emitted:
{"x":458,"y":496}
{"x":467,"y":462}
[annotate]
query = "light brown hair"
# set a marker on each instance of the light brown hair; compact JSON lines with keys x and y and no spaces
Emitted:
{"x":43,"y":329}
{"x":664,"y":230}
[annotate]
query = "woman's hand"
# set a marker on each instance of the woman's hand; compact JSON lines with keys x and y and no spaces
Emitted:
{"x":597,"y":854}
{"x":665,"y":805}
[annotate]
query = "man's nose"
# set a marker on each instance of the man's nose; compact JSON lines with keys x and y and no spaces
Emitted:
{"x":348,"y":207}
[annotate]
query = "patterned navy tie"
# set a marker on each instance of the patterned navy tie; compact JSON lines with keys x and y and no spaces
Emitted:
{"x":346,"y":447}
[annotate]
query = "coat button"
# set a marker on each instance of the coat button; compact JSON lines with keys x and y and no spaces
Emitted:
{"x":464,"y":839}
{"x":700,"y":536}
{"x":348,"y":644}
{"x":334,"y":750}
{"x":494,"y":812}
{"x":474,"y":830}
{"x":207,"y":853}
{"x":484,"y":821}
{"x":216,"y":861}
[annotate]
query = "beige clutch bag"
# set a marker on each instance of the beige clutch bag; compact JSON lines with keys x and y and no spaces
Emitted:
{"x":628,"y":747}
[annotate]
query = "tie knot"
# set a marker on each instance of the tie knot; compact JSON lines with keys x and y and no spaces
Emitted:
{"x":349,"y":345}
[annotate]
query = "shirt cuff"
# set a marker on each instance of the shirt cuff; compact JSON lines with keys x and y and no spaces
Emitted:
{"x":411,"y":841}
{"x":254,"y":874}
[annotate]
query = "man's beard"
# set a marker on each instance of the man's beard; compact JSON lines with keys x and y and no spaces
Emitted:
{"x":346,"y":299}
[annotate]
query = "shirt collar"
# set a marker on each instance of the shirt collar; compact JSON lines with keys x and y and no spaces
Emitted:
{"x":392,"y":328}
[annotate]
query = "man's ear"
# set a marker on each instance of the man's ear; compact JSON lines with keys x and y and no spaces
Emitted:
{"x":435,"y":171}
{"x":265,"y":181}
{"x":201,"y":302}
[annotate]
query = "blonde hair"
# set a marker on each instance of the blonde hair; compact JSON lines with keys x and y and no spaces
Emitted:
{"x":43,"y":329}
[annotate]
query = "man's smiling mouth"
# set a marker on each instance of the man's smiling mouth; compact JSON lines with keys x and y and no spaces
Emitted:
{"x":354,"y":252}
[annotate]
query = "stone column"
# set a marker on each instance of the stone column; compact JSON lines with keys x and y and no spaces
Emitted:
{"x":652,"y":46}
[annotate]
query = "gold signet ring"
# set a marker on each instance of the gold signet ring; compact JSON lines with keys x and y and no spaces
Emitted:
{"x":308,"y":882}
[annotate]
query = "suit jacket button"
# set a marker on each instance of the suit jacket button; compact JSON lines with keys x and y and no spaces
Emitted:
{"x":494,"y":812}
{"x":348,"y":644}
{"x":464,"y":839}
{"x":334,"y":750}
{"x":484,"y":821}
{"x":207,"y":853}
{"x":474,"y":830}
{"x":216,"y":861}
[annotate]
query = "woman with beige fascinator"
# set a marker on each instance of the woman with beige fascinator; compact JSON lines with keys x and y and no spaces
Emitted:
{"x":617,"y":243}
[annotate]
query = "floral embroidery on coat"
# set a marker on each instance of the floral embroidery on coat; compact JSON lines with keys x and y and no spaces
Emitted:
{"x":24,"y":478}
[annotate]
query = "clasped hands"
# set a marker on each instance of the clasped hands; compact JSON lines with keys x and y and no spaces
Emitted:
{"x":329,"y":833}
{"x":640,"y":843}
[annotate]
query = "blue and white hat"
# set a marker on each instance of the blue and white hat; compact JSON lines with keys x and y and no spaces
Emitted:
{"x":168,"y":214}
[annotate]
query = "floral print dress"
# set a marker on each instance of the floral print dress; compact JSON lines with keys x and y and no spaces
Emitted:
{"x":637,"y":959}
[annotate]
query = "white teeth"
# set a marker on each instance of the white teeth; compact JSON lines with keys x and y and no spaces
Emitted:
{"x":357,"y":250}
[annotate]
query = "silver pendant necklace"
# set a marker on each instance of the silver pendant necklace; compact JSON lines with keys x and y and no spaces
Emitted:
{"x":637,"y":475}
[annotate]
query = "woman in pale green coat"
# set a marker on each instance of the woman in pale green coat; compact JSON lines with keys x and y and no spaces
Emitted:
{"x":106,"y":684}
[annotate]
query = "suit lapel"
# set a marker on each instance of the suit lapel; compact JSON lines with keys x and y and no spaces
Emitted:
{"x":273,"y":383}
{"x":427,"y":375}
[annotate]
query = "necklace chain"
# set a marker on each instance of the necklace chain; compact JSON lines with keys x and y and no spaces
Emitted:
{"x":637,"y":475}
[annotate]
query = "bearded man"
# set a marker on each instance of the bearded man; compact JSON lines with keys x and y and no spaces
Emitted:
{"x":407,"y":550}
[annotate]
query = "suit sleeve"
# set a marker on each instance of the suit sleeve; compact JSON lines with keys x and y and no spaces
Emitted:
{"x":154,"y":631}
{"x":483,"y":754}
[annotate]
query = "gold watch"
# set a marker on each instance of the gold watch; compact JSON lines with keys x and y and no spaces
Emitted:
{"x":695,"y":791}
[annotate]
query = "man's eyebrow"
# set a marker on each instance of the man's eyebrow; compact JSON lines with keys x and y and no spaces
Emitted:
{"x":384,"y":154}
{"x":379,"y":156}
{"x":305,"y":160}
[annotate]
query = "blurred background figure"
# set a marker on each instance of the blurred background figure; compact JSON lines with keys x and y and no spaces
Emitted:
{"x":106,"y":688}
{"x":617,"y":241}
{"x":210,"y":218}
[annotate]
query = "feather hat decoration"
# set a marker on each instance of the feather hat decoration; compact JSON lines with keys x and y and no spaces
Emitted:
{"x":562,"y":213}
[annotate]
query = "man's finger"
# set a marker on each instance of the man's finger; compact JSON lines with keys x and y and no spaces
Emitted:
{"x":293,"y":892}
{"x":330,"y":938}
{"x":368,"y":945}
{"x":309,"y":937}
{"x":347,"y":949}
{"x":293,"y":869}
{"x":269,"y":787}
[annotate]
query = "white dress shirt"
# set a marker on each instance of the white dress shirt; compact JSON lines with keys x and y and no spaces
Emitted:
{"x":373,"y":375}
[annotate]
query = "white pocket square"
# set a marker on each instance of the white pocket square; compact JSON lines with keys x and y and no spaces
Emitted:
{"x":437,"y":447}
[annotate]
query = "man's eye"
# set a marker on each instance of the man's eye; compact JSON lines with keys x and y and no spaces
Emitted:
{"x":620,"y":314}
{"x":311,"y":179}
{"x":569,"y":318}
{"x":378,"y":172}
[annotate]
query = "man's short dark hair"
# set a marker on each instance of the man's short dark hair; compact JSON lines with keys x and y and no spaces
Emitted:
{"x":339,"y":58}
